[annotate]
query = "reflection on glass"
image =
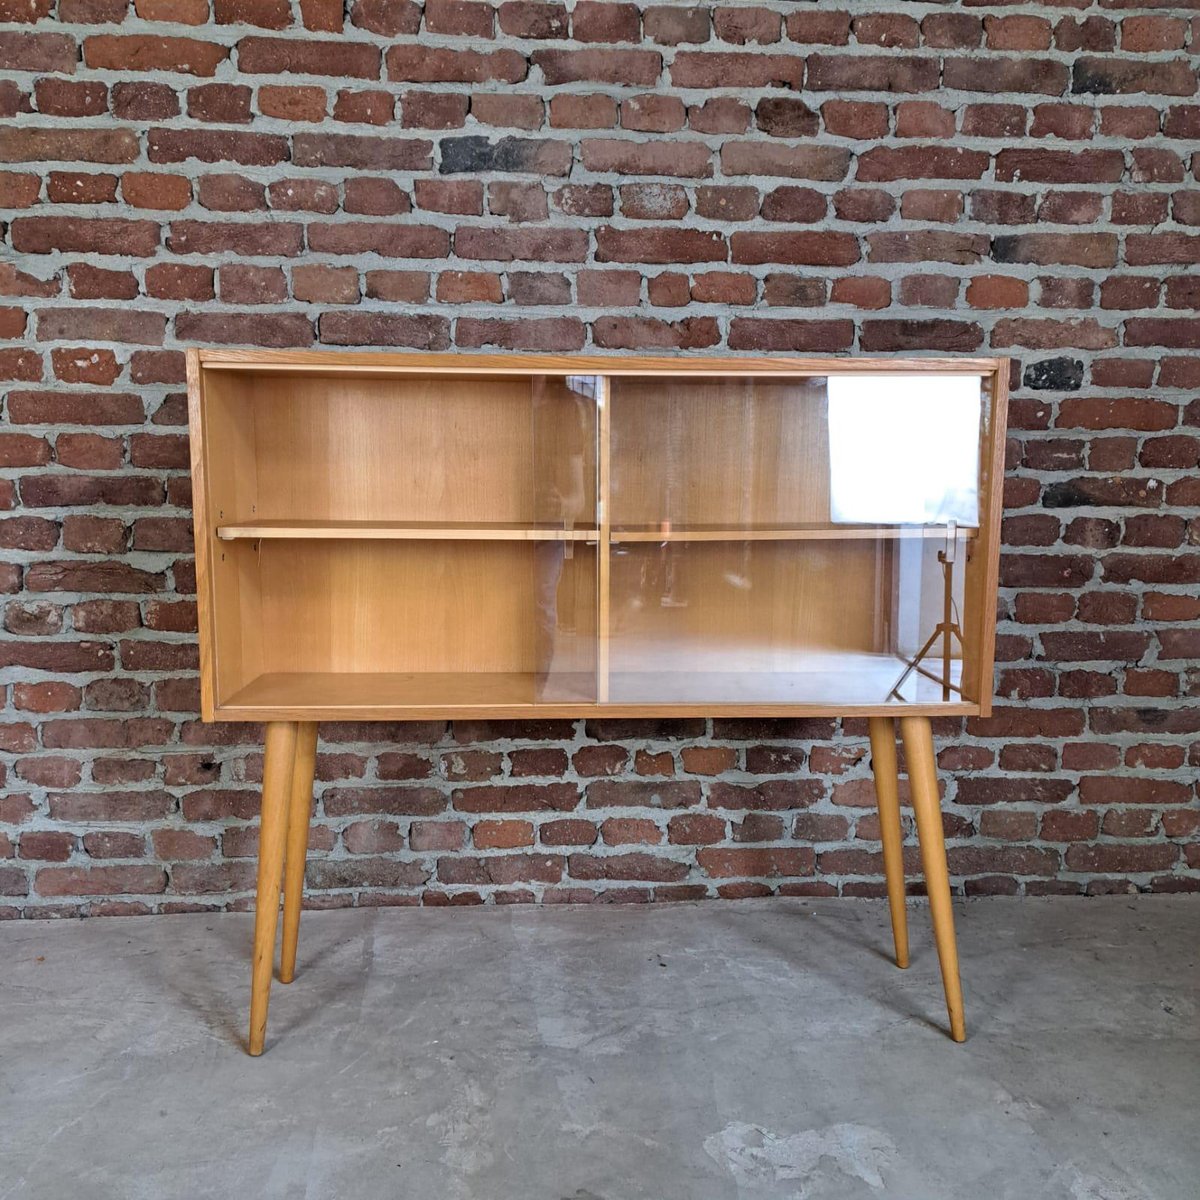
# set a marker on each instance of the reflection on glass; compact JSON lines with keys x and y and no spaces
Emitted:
{"x":904,"y":449}
{"x":792,"y":541}
{"x":564,"y":468}
{"x":564,"y":571}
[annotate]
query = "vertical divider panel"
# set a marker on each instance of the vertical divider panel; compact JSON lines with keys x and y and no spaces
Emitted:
{"x":604,"y":528}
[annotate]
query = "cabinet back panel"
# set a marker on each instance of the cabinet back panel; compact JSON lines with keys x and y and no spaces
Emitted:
{"x":757,"y":601}
{"x":421,"y":449}
{"x":719,"y":451}
{"x":428,"y":606}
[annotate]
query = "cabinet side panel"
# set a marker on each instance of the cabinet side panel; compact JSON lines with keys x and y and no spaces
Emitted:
{"x":983,"y":567}
{"x":200,"y":527}
{"x":230,"y":474}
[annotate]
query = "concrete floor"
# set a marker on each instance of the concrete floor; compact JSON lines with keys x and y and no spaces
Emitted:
{"x":762,"y":1050}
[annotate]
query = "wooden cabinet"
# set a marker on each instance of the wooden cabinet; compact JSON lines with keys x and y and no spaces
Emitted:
{"x":392,"y":536}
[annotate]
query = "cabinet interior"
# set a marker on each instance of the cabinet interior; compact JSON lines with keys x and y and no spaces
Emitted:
{"x":398,"y":542}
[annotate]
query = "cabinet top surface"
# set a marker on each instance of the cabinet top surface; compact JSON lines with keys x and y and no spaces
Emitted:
{"x":351,"y":362}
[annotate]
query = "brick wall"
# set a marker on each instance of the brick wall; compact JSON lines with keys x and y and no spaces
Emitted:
{"x":887,"y":177}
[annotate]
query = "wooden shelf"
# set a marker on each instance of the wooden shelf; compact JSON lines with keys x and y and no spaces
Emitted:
{"x":469,"y":531}
{"x":841,"y":679}
{"x":423,"y":690}
{"x":463,"y":531}
{"x":795,"y":533}
{"x":425,"y":695}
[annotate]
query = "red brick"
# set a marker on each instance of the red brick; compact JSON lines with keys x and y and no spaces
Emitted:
{"x":704,"y":69}
{"x":100,"y":881}
{"x":306,"y":195}
{"x":213,"y":145}
{"x":227,"y":104}
{"x":276,"y":56}
{"x":951,"y":30}
{"x":855,"y":118}
{"x":50,"y":145}
{"x":363,"y":107}
{"x":152,"y":53}
{"x":70,"y":98}
{"x":422,"y":64}
{"x":568,"y":832}
{"x":292,"y":103}
{"x":1024,"y":74}
{"x":621,"y":831}
{"x":923,"y":119}
{"x":764,"y":863}
{"x":594,"y":21}
{"x":862,"y":292}
{"x":671,"y":26}
{"x":502,"y":835}
{"x":1104,"y":76}
{"x":997,"y":291}
{"x":459,"y":18}
{"x":571,"y":111}
{"x":696,"y":829}
{"x":720,"y":114}
{"x":1017,"y":32}
{"x":511,"y":111}
{"x":266,"y":14}
{"x":143,"y":189}
{"x":816,"y":27}
{"x":876,"y":73}
{"x":631,"y":866}
{"x":892,"y":30}
{"x":328,"y":285}
{"x":388,"y":17}
{"x":725,"y":203}
{"x":42,"y":52}
{"x":921,"y":162}
{"x":144,"y":101}
{"x":826,"y":163}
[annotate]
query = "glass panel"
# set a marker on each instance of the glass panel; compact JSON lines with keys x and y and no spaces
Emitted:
{"x":427,"y":621}
{"x":792,"y":541}
{"x":415,"y":540}
{"x":564,"y":431}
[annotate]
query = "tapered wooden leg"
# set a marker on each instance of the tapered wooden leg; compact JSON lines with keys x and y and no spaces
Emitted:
{"x":922,"y":778}
{"x":887,"y":795}
{"x":299,"y":812}
{"x":277,"y":786}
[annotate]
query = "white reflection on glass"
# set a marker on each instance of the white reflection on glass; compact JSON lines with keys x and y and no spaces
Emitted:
{"x":904,"y":449}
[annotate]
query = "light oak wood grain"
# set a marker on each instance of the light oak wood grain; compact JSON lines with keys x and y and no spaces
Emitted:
{"x":887,"y":795}
{"x":824,"y":533}
{"x":388,"y":364}
{"x":277,"y":786}
{"x":300,"y":799}
{"x":461,"y":531}
{"x":922,"y":778}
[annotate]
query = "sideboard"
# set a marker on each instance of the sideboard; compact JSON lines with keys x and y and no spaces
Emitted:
{"x":416,"y":536}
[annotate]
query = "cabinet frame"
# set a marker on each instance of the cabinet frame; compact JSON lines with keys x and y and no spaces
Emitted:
{"x":214,"y":534}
